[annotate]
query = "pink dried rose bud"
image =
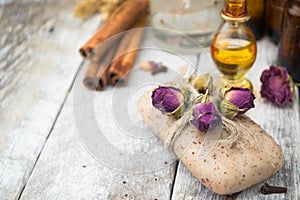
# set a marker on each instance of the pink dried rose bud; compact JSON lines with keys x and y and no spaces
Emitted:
{"x":277,"y":86}
{"x":169,"y":100}
{"x":149,"y":65}
{"x":205,"y":116}
{"x":237,"y":101}
{"x":154,"y":67}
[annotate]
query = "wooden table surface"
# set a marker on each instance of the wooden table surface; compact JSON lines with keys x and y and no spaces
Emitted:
{"x":42,"y":156}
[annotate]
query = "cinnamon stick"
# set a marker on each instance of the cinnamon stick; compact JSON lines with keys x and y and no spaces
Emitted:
{"x":119,"y":21}
{"x":126,"y":52}
{"x":102,"y":74}
{"x":90,"y":80}
{"x":96,"y":76}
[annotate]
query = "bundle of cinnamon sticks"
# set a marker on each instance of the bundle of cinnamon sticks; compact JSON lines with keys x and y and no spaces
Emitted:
{"x":111,"y":51}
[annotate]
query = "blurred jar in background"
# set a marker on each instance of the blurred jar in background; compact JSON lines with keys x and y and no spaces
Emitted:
{"x":257,"y":20}
{"x":289,"y":48}
{"x":198,"y":19}
{"x":274,"y":19}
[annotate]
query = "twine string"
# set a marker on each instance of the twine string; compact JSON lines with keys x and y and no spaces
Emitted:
{"x":234,"y":132}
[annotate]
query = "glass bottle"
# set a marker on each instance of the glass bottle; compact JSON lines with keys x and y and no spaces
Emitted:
{"x":274,"y":19}
{"x":289,"y":48}
{"x":198,"y":19}
{"x":233,"y":47}
{"x":257,"y":20}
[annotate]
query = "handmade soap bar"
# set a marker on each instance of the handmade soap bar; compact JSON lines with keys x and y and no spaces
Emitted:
{"x":221,"y":168}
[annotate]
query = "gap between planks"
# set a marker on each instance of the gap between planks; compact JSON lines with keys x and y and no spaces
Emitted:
{"x":177,"y":161}
{"x":13,"y":186}
{"x":52,"y":127}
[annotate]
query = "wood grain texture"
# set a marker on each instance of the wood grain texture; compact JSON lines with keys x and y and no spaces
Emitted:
{"x":281,"y":123}
{"x":65,"y":169}
{"x":38,"y":62}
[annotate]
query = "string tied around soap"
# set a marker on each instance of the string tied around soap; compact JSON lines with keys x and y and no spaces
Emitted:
{"x":234,"y":133}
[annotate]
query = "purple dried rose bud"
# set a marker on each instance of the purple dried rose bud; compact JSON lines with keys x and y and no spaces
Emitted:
{"x":277,"y":86}
{"x":237,"y":101}
{"x":205,"y":116}
{"x":149,"y":65}
{"x":154,"y":67}
{"x":169,"y":100}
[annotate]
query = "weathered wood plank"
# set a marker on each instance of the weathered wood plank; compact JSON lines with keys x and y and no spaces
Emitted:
{"x":65,"y":169}
{"x":39,"y":60}
{"x":281,"y":123}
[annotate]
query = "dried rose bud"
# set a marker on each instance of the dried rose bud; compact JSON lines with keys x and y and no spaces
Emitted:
{"x":154,"y":67}
{"x":205,"y":116}
{"x":237,"y":101}
{"x":149,"y":65}
{"x":203,"y":83}
{"x":277,"y":86}
{"x":169,"y":100}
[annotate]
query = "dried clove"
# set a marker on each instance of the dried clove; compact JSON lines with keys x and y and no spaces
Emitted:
{"x":51,"y":29}
{"x":228,"y":197}
{"x":268,"y":189}
{"x":232,"y":196}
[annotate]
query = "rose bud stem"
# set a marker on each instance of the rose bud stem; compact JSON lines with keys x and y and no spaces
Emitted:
{"x":202,"y":83}
{"x":205,"y":97}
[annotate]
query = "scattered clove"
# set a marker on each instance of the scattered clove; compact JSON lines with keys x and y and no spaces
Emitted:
{"x":51,"y":29}
{"x":268,"y":189}
{"x":228,"y":197}
{"x":232,"y":196}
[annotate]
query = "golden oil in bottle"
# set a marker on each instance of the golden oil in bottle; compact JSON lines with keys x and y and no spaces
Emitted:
{"x":233,"y":57}
{"x":233,"y":48}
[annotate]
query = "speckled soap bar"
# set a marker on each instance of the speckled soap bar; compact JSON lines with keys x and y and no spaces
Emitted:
{"x":222,"y":169}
